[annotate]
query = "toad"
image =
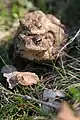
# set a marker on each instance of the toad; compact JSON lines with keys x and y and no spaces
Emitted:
{"x":39,"y":37}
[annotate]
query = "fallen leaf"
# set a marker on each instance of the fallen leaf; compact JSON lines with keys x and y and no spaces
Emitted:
{"x":52,"y":94}
{"x":14,"y":77}
{"x":53,"y":97}
{"x":11,"y":79}
{"x":23,"y":78}
{"x":60,"y":94}
{"x":8,"y":69}
{"x":49,"y":94}
{"x":9,"y":72}
{"x":27,"y":78}
{"x":66,"y":113}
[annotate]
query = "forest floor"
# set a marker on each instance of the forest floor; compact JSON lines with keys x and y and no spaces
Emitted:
{"x":64,"y":78}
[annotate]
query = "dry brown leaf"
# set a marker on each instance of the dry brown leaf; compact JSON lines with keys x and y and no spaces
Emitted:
{"x":23,"y":78}
{"x":14,"y":77}
{"x":66,"y":113}
{"x":27,"y":78}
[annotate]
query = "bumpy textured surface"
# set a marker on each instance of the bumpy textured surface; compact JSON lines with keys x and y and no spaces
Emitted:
{"x":39,"y":37}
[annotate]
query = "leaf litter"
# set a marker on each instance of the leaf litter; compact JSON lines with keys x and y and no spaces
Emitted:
{"x":14,"y":77}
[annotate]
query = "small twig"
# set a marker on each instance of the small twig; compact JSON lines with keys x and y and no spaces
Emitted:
{"x":26,"y":97}
{"x":69,"y":42}
{"x":77,"y":60}
{"x":77,"y":69}
{"x":62,"y":65}
{"x":72,"y":75}
{"x":73,"y":85}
